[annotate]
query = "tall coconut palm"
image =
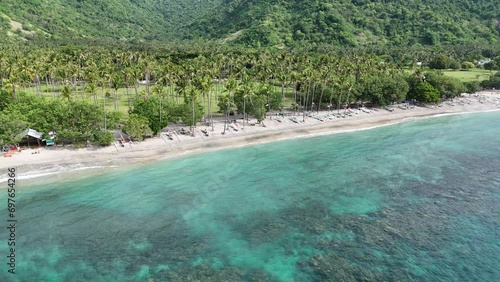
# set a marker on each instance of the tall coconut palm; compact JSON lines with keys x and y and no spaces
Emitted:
{"x":116,"y":83}
{"x":308,"y":78}
{"x":294,"y":77}
{"x":126,"y":82}
{"x":10,"y":86}
{"x":226,"y":102}
{"x":192,"y":94}
{"x":147,"y":66}
{"x":355,"y":74}
{"x":103,"y":80}
{"x":324,"y":73}
{"x":205,"y":85}
{"x":283,"y":75}
{"x":181,"y":84}
{"x":230,"y":87}
{"x":349,"y":86}
{"x":166,"y":76}
{"x":135,"y":74}
{"x":247,"y":91}
{"x":158,"y":91}
{"x":66,"y":93}
{"x":91,"y":90}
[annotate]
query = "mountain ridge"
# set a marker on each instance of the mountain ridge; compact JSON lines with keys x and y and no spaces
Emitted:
{"x":126,"y":20}
{"x":356,"y":22}
{"x":257,"y":22}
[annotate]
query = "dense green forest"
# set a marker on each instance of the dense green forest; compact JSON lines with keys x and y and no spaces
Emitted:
{"x":257,"y":22}
{"x":126,"y":20}
{"x":355,"y":22}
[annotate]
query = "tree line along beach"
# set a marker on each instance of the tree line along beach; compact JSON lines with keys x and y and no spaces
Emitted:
{"x":97,"y":103}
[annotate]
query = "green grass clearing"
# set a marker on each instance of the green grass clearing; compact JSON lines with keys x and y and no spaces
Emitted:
{"x":470,"y":75}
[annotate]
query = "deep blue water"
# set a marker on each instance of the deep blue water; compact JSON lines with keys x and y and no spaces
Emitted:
{"x":417,"y":201}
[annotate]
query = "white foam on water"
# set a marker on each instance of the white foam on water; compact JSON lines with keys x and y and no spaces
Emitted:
{"x":464,"y":113}
{"x":27,"y":172}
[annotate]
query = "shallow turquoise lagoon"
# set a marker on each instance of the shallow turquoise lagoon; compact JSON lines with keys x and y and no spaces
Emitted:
{"x":417,"y":201}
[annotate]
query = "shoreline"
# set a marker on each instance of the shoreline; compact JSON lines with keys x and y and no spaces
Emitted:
{"x":55,"y":160}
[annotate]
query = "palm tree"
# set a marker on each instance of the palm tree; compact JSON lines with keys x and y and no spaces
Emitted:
{"x":294,"y":76}
{"x":10,"y":87}
{"x":181,"y":84}
{"x":158,"y":91}
{"x":356,"y":72}
{"x":126,"y":78}
{"x":116,"y":82}
{"x":192,"y":95}
{"x":226,"y":101}
{"x":325,"y":74}
{"x":11,"y":82}
{"x":340,"y":85}
{"x":207,"y":88}
{"x":66,"y":93}
{"x":91,"y":89}
{"x":135,"y":74}
{"x":147,"y":63}
{"x":204,"y":84}
{"x":216,"y":71}
{"x":247,"y":91}
{"x":166,"y":76}
{"x":230,"y":87}
{"x":349,"y":90}
{"x":36,"y":67}
{"x":308,"y":79}
{"x":103,"y":79}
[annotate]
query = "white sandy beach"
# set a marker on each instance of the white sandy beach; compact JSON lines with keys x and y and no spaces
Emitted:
{"x":162,"y":148}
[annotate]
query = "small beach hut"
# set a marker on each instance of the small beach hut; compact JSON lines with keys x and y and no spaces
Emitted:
{"x":30,"y":136}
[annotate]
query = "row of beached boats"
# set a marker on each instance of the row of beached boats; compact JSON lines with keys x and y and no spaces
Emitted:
{"x":331,"y":116}
{"x":169,"y":135}
{"x":482,"y":99}
{"x":488,"y":100}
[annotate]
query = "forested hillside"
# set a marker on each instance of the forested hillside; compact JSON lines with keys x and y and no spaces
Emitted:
{"x":127,"y":20}
{"x":256,"y":22}
{"x":355,"y":22}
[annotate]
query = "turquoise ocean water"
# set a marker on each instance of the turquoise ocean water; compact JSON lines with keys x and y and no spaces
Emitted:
{"x":416,"y":201}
